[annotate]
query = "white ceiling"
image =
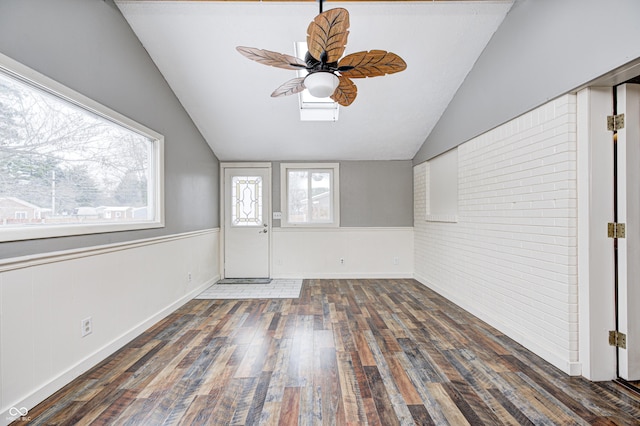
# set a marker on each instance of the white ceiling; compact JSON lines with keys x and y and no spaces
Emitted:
{"x":228,"y":96}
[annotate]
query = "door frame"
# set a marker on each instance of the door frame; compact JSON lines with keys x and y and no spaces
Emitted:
{"x":596,"y":359}
{"x":628,"y":316}
{"x":223,"y":203}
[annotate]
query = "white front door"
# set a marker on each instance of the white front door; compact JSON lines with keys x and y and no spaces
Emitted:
{"x":247,"y":229}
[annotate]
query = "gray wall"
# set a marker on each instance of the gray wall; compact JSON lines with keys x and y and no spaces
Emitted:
{"x":543,"y":49}
{"x":372,"y":193}
{"x":88,"y":46}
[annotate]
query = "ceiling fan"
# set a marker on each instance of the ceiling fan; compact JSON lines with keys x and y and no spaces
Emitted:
{"x":329,"y":74}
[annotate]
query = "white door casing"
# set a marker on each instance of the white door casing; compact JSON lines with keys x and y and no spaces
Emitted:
{"x":628,"y":103}
{"x":247,"y":225}
{"x":595,"y":267}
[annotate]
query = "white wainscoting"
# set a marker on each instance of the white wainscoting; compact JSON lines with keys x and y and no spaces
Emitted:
{"x":365,"y":252}
{"x":125,"y":288}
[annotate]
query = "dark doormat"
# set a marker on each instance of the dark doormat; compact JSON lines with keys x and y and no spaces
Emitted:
{"x":244,"y":281}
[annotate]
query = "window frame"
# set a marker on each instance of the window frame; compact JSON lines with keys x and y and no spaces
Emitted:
{"x":31,"y":77}
{"x":259,"y":210}
{"x":334,"y":169}
{"x":443,"y":178}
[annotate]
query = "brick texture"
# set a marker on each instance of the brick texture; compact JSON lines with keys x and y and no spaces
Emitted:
{"x":511,"y":258}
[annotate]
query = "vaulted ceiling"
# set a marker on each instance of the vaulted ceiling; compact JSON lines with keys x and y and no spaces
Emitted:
{"x":228,"y":97}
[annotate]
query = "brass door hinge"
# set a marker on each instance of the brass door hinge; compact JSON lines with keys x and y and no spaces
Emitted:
{"x":617,"y":339}
{"x":615,"y":122}
{"x":616,"y":230}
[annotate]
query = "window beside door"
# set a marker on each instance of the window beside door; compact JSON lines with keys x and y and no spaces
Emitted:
{"x":310,"y":195}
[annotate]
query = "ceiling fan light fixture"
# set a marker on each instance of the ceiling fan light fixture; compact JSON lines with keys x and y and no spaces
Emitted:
{"x":326,"y":42}
{"x":321,"y":84}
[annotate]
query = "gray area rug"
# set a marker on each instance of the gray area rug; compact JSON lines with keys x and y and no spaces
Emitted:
{"x":244,"y":281}
{"x":279,"y":288}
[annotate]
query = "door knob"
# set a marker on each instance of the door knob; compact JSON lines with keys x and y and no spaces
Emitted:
{"x":264,"y":231}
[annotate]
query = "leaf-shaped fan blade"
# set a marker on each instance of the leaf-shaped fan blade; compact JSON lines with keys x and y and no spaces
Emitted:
{"x":275,"y":59}
{"x":291,"y":87}
{"x":328,"y":33}
{"x":371,"y":64}
{"x":346,"y":92}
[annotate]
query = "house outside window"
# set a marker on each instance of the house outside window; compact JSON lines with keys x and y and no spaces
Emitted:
{"x":66,"y":158}
{"x":310,"y":194}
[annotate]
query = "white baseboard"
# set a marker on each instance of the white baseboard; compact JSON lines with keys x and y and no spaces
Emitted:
{"x":333,"y":253}
{"x":351,"y":275}
{"x":570,"y":368}
{"x":49,"y":388}
{"x":125,"y":288}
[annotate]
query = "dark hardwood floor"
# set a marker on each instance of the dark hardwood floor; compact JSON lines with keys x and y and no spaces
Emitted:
{"x":379,"y":352}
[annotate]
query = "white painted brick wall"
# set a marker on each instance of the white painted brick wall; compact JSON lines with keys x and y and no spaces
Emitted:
{"x":511,"y":259}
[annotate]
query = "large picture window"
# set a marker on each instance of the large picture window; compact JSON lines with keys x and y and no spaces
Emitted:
{"x":310,"y":194}
{"x":71,"y":166}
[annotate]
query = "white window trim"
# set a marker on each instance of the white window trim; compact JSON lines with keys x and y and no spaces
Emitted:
{"x":451,"y":214}
{"x":335,"y":193}
{"x":34,"y":78}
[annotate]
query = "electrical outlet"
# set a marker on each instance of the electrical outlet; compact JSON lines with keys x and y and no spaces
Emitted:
{"x":86,"y":327}
{"x":396,"y":260}
{"x":342,"y":260}
{"x":189,"y":276}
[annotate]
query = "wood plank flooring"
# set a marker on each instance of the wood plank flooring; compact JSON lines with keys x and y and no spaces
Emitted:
{"x":347,"y":352}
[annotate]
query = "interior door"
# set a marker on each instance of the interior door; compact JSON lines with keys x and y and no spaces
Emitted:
{"x":247,"y":227}
{"x":628,"y":207}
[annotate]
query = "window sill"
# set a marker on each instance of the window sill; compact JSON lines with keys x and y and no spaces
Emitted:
{"x":442,"y":218}
{"x":39,"y":232}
